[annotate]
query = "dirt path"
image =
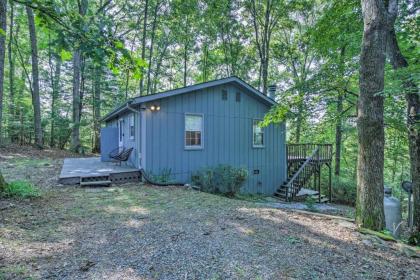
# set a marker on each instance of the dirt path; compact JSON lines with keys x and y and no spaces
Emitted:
{"x":143,"y":232}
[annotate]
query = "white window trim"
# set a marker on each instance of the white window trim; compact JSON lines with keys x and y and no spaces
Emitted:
{"x":201,"y":147}
{"x":120,"y":125}
{"x":131,"y":118}
{"x":253,"y":132}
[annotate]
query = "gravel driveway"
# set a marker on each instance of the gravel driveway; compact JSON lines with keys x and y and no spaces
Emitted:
{"x":135,"y":231}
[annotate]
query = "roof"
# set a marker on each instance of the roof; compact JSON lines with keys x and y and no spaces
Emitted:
{"x":147,"y":98}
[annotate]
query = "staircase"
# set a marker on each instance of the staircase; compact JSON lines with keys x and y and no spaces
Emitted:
{"x":303,"y":164}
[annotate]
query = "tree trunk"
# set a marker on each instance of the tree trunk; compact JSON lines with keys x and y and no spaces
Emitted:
{"x":143,"y":44}
{"x":299,"y":121}
{"x":185,"y":64}
{"x":3,"y":183}
{"x":370,"y":123}
{"x":3,"y":15}
{"x":77,"y":106}
{"x":97,"y":109}
{"x":413,"y":106}
{"x":152,"y":39}
{"x":35,"y":79}
{"x":338,"y":126}
{"x":12,"y":128}
{"x":54,"y":97}
{"x":75,"y":136}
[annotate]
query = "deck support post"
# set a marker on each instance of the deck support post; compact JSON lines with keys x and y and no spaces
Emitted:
{"x":329,"y":184}
{"x":319,"y":182}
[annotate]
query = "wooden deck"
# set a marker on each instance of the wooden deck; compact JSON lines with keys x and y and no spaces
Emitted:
{"x":75,"y":168}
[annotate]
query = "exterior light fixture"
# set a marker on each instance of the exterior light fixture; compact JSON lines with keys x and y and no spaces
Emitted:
{"x":154,"y":108}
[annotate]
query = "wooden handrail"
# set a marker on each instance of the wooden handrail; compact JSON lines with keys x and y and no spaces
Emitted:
{"x":309,"y":159}
{"x":300,"y":151}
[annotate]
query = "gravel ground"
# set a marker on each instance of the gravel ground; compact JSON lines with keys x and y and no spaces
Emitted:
{"x":135,"y":231}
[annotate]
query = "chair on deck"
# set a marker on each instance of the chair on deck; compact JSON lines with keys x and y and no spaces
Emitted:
{"x":120,"y":155}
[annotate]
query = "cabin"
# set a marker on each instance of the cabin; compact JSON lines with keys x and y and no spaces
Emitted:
{"x":175,"y":133}
{"x":180,"y":131}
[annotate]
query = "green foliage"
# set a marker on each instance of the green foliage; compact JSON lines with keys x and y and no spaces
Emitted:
{"x":222,"y":179}
{"x":65,"y":55}
{"x":344,"y":190}
{"x":20,"y":189}
{"x":164,"y":176}
{"x":310,"y":202}
{"x":414,"y":239}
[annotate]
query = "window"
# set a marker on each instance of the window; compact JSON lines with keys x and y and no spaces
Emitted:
{"x":238,"y":96}
{"x":224,"y":94}
{"x":258,"y":134}
{"x":193,"y":131}
{"x":132,"y":128}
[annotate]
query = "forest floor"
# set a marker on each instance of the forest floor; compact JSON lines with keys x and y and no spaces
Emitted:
{"x":135,"y":231}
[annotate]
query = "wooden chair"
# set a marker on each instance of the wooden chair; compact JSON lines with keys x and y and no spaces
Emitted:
{"x":120,"y":155}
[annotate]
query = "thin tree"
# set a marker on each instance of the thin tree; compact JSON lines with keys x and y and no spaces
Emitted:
{"x":265,"y":16}
{"x":77,"y":65}
{"x":12,"y":131}
{"x":143,"y":43}
{"x":36,"y":103}
{"x":3,"y":15}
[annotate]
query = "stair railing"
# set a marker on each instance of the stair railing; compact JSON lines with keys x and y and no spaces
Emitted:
{"x":294,"y":184}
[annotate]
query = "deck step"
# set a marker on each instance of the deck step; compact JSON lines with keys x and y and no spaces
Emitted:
{"x":99,"y":180}
{"x":96,"y":183}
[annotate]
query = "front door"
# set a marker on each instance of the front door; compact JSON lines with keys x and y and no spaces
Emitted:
{"x":120,"y":133}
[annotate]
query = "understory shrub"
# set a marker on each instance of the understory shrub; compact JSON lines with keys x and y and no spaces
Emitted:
{"x":310,"y":203}
{"x":344,"y":190}
{"x":20,"y":189}
{"x":164,"y":176}
{"x":222,"y":179}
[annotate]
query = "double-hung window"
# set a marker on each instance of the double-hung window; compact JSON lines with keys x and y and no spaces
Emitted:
{"x":132,"y":128}
{"x":257,"y":134}
{"x":194,"y":131}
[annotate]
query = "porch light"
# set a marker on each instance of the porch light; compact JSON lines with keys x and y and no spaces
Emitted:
{"x":155,"y":108}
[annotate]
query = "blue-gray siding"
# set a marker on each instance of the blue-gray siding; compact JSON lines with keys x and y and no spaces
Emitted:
{"x":127,"y":142}
{"x":227,"y":137}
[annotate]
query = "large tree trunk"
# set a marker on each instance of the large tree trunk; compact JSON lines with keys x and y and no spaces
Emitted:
{"x":370,"y":123}
{"x":77,"y":106}
{"x":3,"y":15}
{"x":35,"y":79}
{"x":413,"y":106}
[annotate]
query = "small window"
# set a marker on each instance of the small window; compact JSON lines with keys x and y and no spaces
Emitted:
{"x":258,"y":134}
{"x":132,"y":128}
{"x":238,"y":96}
{"x":224,"y":95}
{"x":193,"y":131}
